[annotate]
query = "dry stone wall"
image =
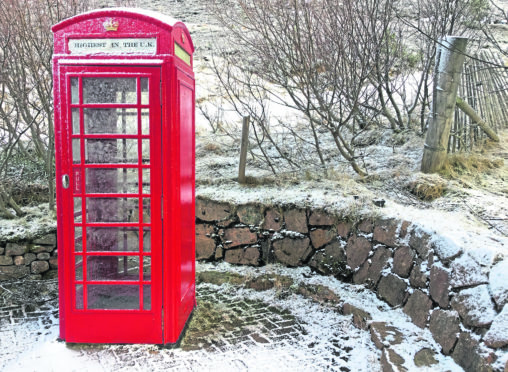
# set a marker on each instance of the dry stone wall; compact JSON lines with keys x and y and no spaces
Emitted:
{"x":34,"y":259}
{"x":438,"y":285}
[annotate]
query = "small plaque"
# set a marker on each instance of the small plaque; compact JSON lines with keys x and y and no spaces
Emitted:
{"x":182,"y":54}
{"x":113,"y":46}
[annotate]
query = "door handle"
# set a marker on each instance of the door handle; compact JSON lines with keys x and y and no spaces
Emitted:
{"x":65,"y":181}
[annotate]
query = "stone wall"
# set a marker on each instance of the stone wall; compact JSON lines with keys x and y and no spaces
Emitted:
{"x":35,"y":259}
{"x":438,"y":285}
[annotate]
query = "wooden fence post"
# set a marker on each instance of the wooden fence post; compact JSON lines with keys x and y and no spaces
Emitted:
{"x":449,"y":60}
{"x":243,"y":149}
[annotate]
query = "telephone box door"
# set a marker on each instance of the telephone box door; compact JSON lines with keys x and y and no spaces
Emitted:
{"x":111,"y":182}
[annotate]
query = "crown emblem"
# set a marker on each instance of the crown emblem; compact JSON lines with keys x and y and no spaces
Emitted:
{"x":110,"y":25}
{"x":183,"y":38}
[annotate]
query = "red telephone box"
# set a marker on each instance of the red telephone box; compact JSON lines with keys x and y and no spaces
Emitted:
{"x":124,"y":127}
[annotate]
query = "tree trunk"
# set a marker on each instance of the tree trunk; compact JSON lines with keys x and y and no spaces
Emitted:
{"x":449,"y":61}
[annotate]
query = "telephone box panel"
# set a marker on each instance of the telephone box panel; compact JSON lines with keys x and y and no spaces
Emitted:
{"x":124,"y":127}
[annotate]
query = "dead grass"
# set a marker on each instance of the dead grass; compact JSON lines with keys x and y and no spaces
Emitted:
{"x":459,"y":165}
{"x":427,"y":187}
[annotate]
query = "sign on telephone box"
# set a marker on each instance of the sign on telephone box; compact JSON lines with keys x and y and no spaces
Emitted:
{"x":124,"y":128}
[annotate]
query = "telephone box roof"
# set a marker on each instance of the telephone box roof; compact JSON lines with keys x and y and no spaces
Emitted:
{"x":162,"y":20}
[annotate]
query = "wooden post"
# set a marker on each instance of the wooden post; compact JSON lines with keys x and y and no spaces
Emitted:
{"x":449,"y":60}
{"x":469,"y":111}
{"x":243,"y":149}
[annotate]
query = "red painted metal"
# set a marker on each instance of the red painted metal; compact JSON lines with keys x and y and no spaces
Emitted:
{"x":126,"y":222}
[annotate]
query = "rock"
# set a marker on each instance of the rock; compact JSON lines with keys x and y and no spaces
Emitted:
{"x":378,"y":263}
{"x":43,"y":256}
{"x":446,"y":250}
{"x":205,"y":244}
{"x":321,"y":237}
{"x":360,"y":317}
{"x":403,"y":261}
{"x":366,"y":226}
{"x":38,"y":267}
{"x":467,"y":354}
{"x":6,"y":260}
{"x":318,"y":293}
{"x":404,"y":226}
{"x":18,"y":260}
{"x":498,"y":283}
{"x":319,"y":218}
{"x":445,"y":326}
{"x":40,"y":248}
{"x":35,"y":277}
{"x":296,"y":220}
{"x":466,"y":272}
{"x":439,"y":285}
{"x":236,"y":236}
{"x":344,"y":229}
{"x":362,"y":274}
{"x":497,"y":336}
{"x":357,"y":251}
{"x":392,"y":289}
{"x":2,"y":250}
{"x":474,"y":306}
{"x":219,"y":253}
{"x":53,"y":263}
{"x":250,"y":214}
{"x":417,"y":307}
{"x":29,"y":258}
{"x":15,"y":249}
{"x":292,"y":252}
{"x":385,"y":232}
{"x":50,"y":274}
{"x":331,"y":260}
{"x":425,"y":358}
{"x":49,"y":239}
{"x":243,"y":256}
{"x":419,"y":241}
{"x":391,"y":361}
{"x":419,"y":275}
{"x":13,"y":272}
{"x":383,"y":334}
{"x":209,"y":210}
{"x":272,"y":221}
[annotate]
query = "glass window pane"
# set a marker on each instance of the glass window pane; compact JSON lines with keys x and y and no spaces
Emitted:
{"x":146,"y":151}
{"x":78,"y":214}
{"x":78,"y":238}
{"x":147,"y":269}
{"x":75,"y":121}
{"x":145,"y":121}
{"x":147,"y":212}
{"x":111,"y":121}
{"x":147,"y":297}
{"x":111,"y":151}
{"x":78,"y":267}
{"x":112,"y":181}
{"x":79,"y":296}
{"x":74,"y":91}
{"x":112,"y":239}
{"x":112,"y":268}
{"x":112,"y":210}
{"x":146,"y":181}
{"x":144,"y":91}
{"x":147,"y":241}
{"x":76,"y":151}
{"x":109,"y":90}
{"x":113,"y":297}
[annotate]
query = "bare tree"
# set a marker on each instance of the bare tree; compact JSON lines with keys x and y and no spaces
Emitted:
{"x":26,"y":105}
{"x":317,"y":57}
